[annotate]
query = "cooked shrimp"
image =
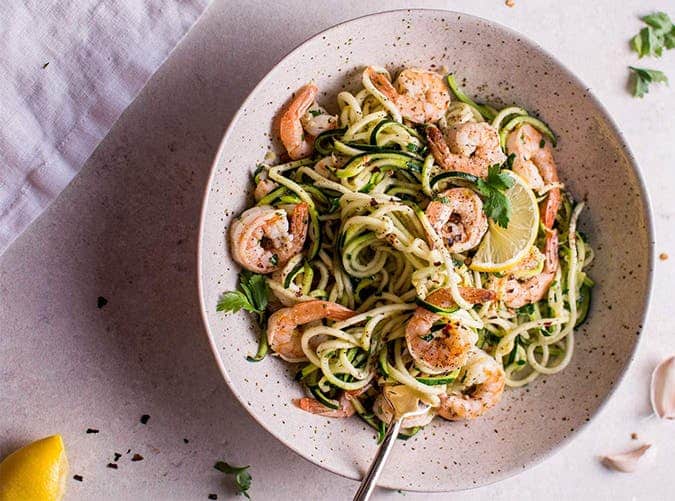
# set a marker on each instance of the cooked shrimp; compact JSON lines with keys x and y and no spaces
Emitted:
{"x":518,"y":293}
{"x":300,"y":118}
{"x":262,"y":240}
{"x":469,"y":147}
{"x":313,"y":406}
{"x":446,"y":350}
{"x":420,"y":96}
{"x":283,"y":334}
{"x":481,"y":389}
{"x":534,"y":163}
{"x":384,"y":412}
{"x":458,"y":218}
{"x":317,"y":120}
{"x":264,"y":187}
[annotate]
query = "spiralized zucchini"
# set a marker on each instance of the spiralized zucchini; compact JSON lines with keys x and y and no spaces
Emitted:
{"x":371,"y":248}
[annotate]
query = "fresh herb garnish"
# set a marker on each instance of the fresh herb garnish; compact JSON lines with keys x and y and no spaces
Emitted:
{"x":428,"y":337}
{"x":251,"y":296}
{"x":653,"y":38}
{"x":496,"y":205}
{"x":242,"y":478}
{"x":316,"y":113}
{"x":411,"y":147}
{"x":274,"y":260}
{"x":642,"y":77}
{"x":542,"y":143}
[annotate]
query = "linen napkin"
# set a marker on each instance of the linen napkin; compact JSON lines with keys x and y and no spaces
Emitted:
{"x":68,"y":69}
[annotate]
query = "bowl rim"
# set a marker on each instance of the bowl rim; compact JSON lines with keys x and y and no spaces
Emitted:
{"x":624,"y":147}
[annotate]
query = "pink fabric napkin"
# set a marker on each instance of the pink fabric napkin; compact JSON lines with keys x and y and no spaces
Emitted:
{"x":68,"y":69}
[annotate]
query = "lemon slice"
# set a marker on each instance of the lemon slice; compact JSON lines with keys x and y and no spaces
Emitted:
{"x":503,"y":248}
{"x":36,"y":471}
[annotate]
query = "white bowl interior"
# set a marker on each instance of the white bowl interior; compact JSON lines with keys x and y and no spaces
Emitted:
{"x":495,"y":65}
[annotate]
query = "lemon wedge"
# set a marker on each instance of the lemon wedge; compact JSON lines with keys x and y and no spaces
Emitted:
{"x":36,"y":471}
{"x":503,"y":248}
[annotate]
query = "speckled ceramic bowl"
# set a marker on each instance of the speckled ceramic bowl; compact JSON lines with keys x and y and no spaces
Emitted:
{"x":496,"y":65}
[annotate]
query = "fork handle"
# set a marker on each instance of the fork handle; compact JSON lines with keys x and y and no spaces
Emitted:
{"x":370,"y":480}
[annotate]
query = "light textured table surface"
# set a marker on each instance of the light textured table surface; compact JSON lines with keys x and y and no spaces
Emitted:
{"x":126,"y":229}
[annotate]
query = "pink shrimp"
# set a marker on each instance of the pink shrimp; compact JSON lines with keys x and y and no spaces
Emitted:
{"x":534,"y":163}
{"x":468,"y":147}
{"x":420,"y":96}
{"x":262,"y":240}
{"x":283,"y":334}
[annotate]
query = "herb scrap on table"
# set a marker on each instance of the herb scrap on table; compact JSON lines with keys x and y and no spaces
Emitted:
{"x":657,"y":35}
{"x":242,"y":478}
{"x":642,"y":77}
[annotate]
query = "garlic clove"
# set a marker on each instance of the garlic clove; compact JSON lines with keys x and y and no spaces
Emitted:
{"x":662,"y":391}
{"x":626,"y":462}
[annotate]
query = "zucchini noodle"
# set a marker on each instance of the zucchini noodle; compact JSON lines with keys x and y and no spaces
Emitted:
{"x":372,"y":248}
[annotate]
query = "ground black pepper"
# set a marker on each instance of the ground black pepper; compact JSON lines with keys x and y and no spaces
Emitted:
{"x":137,"y":457}
{"x":78,"y":478}
{"x":112,"y":465}
{"x":145,"y":418}
{"x":101,"y":302}
{"x":92,"y":430}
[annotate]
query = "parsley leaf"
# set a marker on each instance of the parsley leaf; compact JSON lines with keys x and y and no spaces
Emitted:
{"x":234,"y":301}
{"x":659,"y":21}
{"x":316,"y":113}
{"x":642,"y":77}
{"x":496,"y":206}
{"x":242,"y":478}
{"x":653,"y":38}
{"x":251,"y":296}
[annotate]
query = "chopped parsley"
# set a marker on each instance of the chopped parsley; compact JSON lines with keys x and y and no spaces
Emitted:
{"x":642,"y":77}
{"x":496,"y":206}
{"x":659,"y":34}
{"x":542,"y":143}
{"x":242,"y":478}
{"x":316,"y":113}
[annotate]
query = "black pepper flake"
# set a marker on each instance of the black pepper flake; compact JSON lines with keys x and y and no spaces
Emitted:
{"x":101,"y":302}
{"x":145,"y":418}
{"x":117,"y":456}
{"x":213,"y":496}
{"x":186,"y":441}
{"x":78,"y":478}
{"x":92,"y":430}
{"x":112,"y":465}
{"x":128,"y":451}
{"x":137,"y":457}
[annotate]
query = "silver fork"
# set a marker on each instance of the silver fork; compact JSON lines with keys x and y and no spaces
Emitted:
{"x":403,"y":408}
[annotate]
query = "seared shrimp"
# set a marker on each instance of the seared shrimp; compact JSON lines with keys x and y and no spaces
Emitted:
{"x":469,"y":147}
{"x":421,"y":96}
{"x":264,"y":187}
{"x":458,"y":218}
{"x":481,"y":389}
{"x":518,"y":293}
{"x":262,"y":240}
{"x":313,"y":406}
{"x":282,"y":327}
{"x":448,"y":349}
{"x":534,"y":163}
{"x":303,"y":115}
